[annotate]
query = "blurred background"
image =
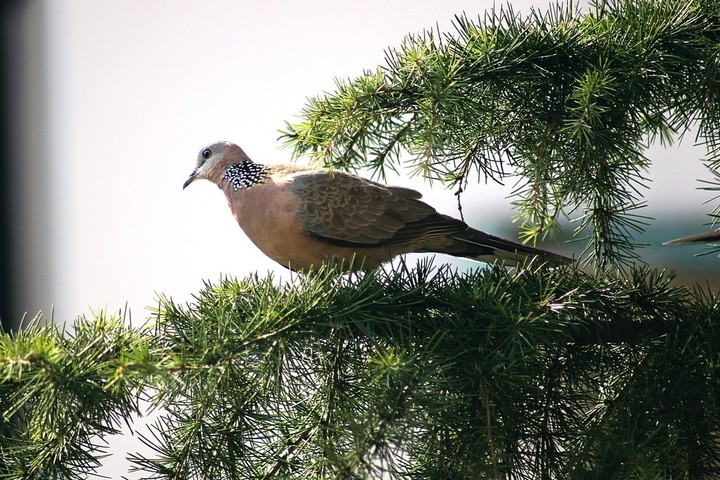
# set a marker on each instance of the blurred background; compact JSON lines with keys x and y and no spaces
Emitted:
{"x":107,"y":103}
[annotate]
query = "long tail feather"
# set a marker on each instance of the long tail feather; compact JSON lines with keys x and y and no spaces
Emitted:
{"x":485,"y":247}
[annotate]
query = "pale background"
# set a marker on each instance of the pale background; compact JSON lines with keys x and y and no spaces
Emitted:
{"x":117,"y":97}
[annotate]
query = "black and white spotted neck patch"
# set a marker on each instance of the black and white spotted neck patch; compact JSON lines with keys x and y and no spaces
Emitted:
{"x":245,"y":174}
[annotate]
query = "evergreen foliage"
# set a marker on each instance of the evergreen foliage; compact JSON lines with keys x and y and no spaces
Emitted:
{"x":529,"y":373}
{"x":566,"y":103}
{"x":411,"y":373}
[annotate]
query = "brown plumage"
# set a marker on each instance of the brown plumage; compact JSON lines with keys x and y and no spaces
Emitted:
{"x":302,"y":217}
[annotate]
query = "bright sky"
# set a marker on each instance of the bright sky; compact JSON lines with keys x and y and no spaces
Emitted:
{"x":136,"y":88}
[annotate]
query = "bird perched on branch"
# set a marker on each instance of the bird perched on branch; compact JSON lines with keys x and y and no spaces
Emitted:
{"x":303,"y":217}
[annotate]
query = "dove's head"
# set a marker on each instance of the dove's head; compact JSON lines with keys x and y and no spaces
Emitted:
{"x":214,"y":161}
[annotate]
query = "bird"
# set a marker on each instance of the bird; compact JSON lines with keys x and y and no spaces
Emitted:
{"x":304,"y":218}
{"x":707,"y":237}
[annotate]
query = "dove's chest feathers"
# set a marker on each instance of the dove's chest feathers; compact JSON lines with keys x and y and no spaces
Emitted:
{"x":265,"y":211}
{"x":270,"y":213}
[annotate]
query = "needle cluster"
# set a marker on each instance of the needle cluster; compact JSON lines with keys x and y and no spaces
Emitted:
{"x":565,"y":102}
{"x":404,"y":373}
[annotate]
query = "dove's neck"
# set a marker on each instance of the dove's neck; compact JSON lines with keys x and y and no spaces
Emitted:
{"x":244,"y":175}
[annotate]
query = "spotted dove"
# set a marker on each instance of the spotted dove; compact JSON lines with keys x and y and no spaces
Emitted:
{"x":303,"y":217}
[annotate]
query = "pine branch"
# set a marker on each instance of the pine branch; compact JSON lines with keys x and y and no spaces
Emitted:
{"x":565,"y":101}
{"x":60,"y":394}
{"x":424,"y":372}
{"x":406,"y":372}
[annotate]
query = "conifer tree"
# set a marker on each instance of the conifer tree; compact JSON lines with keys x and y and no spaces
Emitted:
{"x":419,"y":371}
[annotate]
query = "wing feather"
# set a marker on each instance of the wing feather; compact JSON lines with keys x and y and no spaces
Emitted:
{"x":348,"y":210}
